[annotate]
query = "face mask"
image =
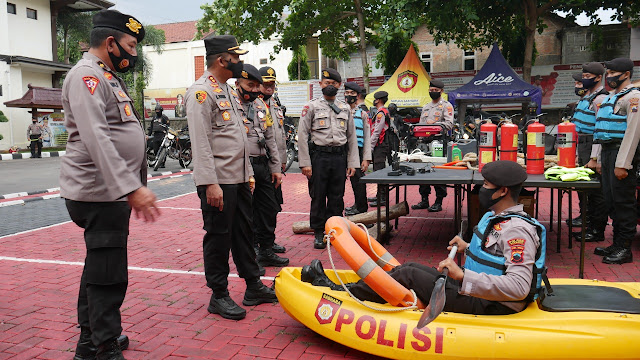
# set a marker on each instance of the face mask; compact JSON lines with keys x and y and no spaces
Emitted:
{"x":236,"y":68}
{"x":124,"y":62}
{"x":330,"y":91}
{"x":248,"y":96}
{"x":266,"y":97}
{"x":435,"y":95}
{"x":484,"y":197}
{"x":589,"y":83}
{"x":580,"y":91}
{"x":614,"y":81}
{"x":34,"y":121}
{"x":350,"y":99}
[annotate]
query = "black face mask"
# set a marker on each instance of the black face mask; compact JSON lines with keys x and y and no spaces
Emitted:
{"x":34,"y":121}
{"x":330,"y":91}
{"x":589,"y":83}
{"x":248,"y":96}
{"x":350,"y":99}
{"x":614,"y":81}
{"x":236,"y":68}
{"x":124,"y":62}
{"x":435,"y":95}
{"x":266,"y":97}
{"x":484,"y":197}
{"x":580,"y":91}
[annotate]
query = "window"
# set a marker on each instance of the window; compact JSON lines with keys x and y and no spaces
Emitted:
{"x":611,"y":46}
{"x":32,"y":14}
{"x":11,"y":8}
{"x":263,"y":61}
{"x":583,"y":48}
{"x":469,"y":62}
{"x":426,"y":58}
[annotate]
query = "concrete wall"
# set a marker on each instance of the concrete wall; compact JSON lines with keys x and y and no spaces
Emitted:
{"x":549,"y":43}
{"x":25,"y":35}
{"x":445,"y":56}
{"x":576,"y":43}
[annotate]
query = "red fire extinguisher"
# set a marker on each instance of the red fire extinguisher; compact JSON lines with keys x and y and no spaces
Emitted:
{"x":488,"y":143}
{"x":567,"y":144}
{"x":509,"y":141}
{"x":535,"y":148}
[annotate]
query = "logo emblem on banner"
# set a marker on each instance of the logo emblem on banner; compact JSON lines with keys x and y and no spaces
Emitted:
{"x":407,"y":80}
{"x":327,"y":309}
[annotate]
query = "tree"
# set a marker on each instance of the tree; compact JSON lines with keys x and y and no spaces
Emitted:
{"x":392,"y":52}
{"x":478,"y":24}
{"x":72,"y":29}
{"x":298,"y":68}
{"x":340,"y":27}
{"x":3,"y":118}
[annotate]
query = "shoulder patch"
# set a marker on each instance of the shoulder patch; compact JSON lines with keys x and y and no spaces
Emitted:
{"x":91,"y":82}
{"x":380,"y":116}
{"x":304,"y":110}
{"x":201,"y":96}
{"x":517,"y":250}
{"x":108,"y":75}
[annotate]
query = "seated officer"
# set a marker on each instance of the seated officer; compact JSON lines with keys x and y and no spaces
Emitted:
{"x":501,"y":273}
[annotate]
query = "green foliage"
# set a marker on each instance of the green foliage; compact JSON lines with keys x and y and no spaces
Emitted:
{"x":299,"y":56}
{"x":3,"y":117}
{"x":72,"y":28}
{"x":392,"y":52}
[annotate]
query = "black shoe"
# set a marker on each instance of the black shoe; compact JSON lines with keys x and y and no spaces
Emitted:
{"x":605,"y":251}
{"x":619,"y":256}
{"x":269,"y":258}
{"x":370,"y":199}
{"x":227,"y":308}
{"x":320,"y":278}
{"x":85,"y":350}
{"x":350,"y":208}
{"x":278,"y":248}
{"x":352,"y":211}
{"x":424,"y":204}
{"x":436,"y":207}
{"x":577,"y":221}
{"x":109,"y":350}
{"x":375,"y":203}
{"x":318,"y":242}
{"x":259,"y":294}
{"x":589,"y":236}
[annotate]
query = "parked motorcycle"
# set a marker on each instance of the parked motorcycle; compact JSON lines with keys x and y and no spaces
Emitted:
{"x":175,"y":144}
{"x":292,"y":144}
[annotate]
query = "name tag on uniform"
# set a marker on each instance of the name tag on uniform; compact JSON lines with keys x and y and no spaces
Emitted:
{"x":114,"y":84}
{"x":223,"y":96}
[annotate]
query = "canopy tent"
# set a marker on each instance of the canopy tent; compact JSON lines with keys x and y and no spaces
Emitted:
{"x":496,"y":82}
{"x":409,"y":84}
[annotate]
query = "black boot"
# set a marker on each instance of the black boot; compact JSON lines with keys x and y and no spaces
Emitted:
{"x":620,"y":256}
{"x":605,"y":251}
{"x":109,"y":350}
{"x":314,"y":274}
{"x":375,"y":203}
{"x":318,"y":242}
{"x":590,"y":235}
{"x":370,"y":199}
{"x":437,"y":206}
{"x":85,"y":350}
{"x":576,"y":221}
{"x":267,"y":257}
{"x":226,"y":307}
{"x":257,"y":293}
{"x":279,"y":249}
{"x":424,"y":204}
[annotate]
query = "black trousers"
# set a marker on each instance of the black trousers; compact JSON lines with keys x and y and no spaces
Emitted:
{"x":425,"y":191}
{"x":620,"y":195}
{"x":422,"y":279}
{"x":326,"y":187}
{"x":157,"y":141}
{"x":36,"y":148}
{"x":359,"y":188}
{"x":265,"y":204}
{"x":228,"y":230}
{"x":595,"y":199}
{"x":104,"y":280}
{"x":380,"y":154}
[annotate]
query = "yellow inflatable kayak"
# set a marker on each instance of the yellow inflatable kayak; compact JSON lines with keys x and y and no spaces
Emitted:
{"x":584,"y":319}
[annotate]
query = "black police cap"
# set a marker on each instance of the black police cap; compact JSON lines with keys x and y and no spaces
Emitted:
{"x":351,"y":85}
{"x":250,"y":72}
{"x":380,"y":95}
{"x":619,"y":64}
{"x":116,"y":20}
{"x":218,"y":44}
{"x":593,"y":68}
{"x":268,"y":74}
{"x":331,"y":74}
{"x":577,"y":76}
{"x":437,"y":83}
{"x":504,"y":173}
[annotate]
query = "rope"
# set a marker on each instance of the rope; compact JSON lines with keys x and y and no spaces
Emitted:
{"x":363,"y":227}
{"x":327,"y":239}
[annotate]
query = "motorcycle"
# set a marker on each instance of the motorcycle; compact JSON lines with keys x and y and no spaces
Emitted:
{"x":175,"y":144}
{"x":292,"y":144}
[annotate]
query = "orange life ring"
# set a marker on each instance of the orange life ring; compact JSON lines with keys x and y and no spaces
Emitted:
{"x":379,"y":254}
{"x":343,"y":234}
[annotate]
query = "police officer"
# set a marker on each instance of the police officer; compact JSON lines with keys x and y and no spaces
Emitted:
{"x":276,"y":111}
{"x":502,"y":271}
{"x":617,"y":129}
{"x":157,"y":128}
{"x":592,"y":94}
{"x":266,"y":164}
{"x":34,"y":134}
{"x":103,"y":176}
{"x":222,"y":174}
{"x":328,"y":152}
{"x":353,"y":95}
{"x":379,"y":126}
{"x":438,"y":111}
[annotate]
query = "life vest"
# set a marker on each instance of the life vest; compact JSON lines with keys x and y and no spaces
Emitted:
{"x":357,"y":119}
{"x":481,"y":261}
{"x":387,"y":117}
{"x":583,"y":116}
{"x":610,"y":126}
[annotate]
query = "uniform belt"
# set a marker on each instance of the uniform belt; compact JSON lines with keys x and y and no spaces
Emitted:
{"x":258,"y":159}
{"x":329,"y":149}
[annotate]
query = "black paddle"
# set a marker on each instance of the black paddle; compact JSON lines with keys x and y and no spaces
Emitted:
{"x":438,"y":296}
